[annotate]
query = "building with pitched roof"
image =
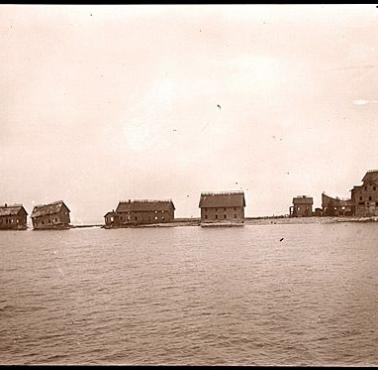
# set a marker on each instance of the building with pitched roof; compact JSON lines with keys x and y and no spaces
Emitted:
{"x":222,"y":207}
{"x":13,"y":217}
{"x":51,"y":216}
{"x":139,"y":212}
{"x":302,"y":206}
{"x":365,"y":196}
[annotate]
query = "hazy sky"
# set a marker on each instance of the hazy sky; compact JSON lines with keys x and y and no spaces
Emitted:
{"x":106,"y":103}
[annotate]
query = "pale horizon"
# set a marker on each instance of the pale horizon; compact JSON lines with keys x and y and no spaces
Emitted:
{"x":101,"y":104}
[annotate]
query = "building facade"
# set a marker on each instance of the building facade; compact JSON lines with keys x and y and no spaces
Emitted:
{"x":13,"y":217}
{"x":336,"y":206}
{"x":302,"y":206}
{"x":51,"y":216}
{"x":222,"y":207}
{"x":365,"y":196}
{"x":141,"y":212}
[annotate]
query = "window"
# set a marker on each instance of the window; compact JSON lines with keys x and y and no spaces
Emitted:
{"x":136,"y":218}
{"x":224,"y":216}
{"x":216,"y":209}
{"x":121,"y":218}
{"x":224,"y":209}
{"x":234,"y":216}
{"x":155,"y":218}
{"x":163,"y":218}
{"x":365,"y":188}
{"x":369,"y":198}
{"x":155,"y":211}
{"x":374,"y":188}
{"x":43,"y":222}
{"x":360,"y":198}
{"x":206,"y":216}
{"x":216,"y":216}
{"x":234,"y":208}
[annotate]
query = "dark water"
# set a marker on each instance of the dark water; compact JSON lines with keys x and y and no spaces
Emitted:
{"x":188,"y":295}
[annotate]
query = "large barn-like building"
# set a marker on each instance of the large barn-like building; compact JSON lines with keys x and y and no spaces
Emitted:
{"x":222,"y":207}
{"x":13,"y":217}
{"x":51,"y":216}
{"x":365,"y":196}
{"x":141,"y":212}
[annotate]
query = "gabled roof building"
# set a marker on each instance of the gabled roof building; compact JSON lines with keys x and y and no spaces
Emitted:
{"x":140,"y":212}
{"x":222,"y":207}
{"x":13,"y":217}
{"x":51,"y":216}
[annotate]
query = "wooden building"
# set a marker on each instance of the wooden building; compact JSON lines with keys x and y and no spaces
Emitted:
{"x":365,"y":196}
{"x":51,"y":216}
{"x":336,"y":206}
{"x":302,"y":206}
{"x":222,"y":207}
{"x":13,"y":217}
{"x":141,"y":212}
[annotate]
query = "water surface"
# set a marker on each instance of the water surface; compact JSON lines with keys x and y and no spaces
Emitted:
{"x":187,"y":295}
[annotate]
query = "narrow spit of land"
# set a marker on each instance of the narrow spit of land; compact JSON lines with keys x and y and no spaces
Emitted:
{"x":254,"y":221}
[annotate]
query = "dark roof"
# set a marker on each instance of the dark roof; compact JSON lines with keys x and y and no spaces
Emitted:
{"x":371,"y":176}
{"x":224,"y":199}
{"x":302,"y":199}
{"x":12,"y":210}
{"x":111,"y":213}
{"x":48,"y":209}
{"x":145,"y":205}
{"x":326,"y":200}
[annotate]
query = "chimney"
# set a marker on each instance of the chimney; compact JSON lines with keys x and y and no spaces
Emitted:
{"x":6,"y":205}
{"x":129,"y":200}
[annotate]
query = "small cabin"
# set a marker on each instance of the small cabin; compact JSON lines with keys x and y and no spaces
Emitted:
{"x":111,"y":219}
{"x":51,"y":216}
{"x":13,"y":217}
{"x":222,"y":207}
{"x":302,"y":206}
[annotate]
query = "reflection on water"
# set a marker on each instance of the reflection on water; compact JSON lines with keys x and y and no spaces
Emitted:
{"x":188,"y":295}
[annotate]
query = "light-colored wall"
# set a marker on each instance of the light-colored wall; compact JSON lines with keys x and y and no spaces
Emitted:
{"x":365,"y":200}
{"x":230,"y":213}
{"x":61,"y":218}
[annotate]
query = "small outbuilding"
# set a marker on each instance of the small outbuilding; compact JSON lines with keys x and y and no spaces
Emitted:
{"x":13,"y":217}
{"x":302,"y":206}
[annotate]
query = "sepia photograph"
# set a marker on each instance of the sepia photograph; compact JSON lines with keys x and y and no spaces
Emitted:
{"x":189,"y":185}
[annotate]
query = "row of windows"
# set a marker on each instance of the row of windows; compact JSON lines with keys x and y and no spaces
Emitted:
{"x":367,"y":204}
{"x":370,"y":198}
{"x":48,"y":221}
{"x":162,"y":211}
{"x":216,"y":209}
{"x":374,"y":188}
{"x":128,"y":218}
{"x":9,"y":221}
{"x":224,"y":216}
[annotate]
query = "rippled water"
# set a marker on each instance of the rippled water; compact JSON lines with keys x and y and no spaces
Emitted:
{"x":187,"y":295}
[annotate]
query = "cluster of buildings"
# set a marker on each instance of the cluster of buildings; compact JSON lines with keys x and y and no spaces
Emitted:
{"x":362,"y":203}
{"x":216,"y":208}
{"x":44,"y":217}
{"x":226,"y":207}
